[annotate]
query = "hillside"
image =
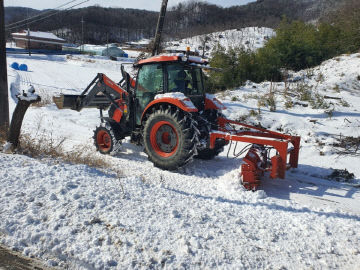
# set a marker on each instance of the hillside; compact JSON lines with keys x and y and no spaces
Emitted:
{"x":133,"y":214}
{"x":249,"y":38}
{"x":184,"y":20}
{"x":14,"y":14}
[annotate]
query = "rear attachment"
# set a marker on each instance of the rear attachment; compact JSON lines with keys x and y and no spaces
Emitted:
{"x":257,"y":160}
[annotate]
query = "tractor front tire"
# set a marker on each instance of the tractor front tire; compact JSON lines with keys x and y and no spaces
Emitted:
{"x":104,"y":140}
{"x":170,"y":138}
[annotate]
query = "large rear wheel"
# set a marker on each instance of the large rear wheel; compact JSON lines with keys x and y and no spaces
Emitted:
{"x":170,"y":138}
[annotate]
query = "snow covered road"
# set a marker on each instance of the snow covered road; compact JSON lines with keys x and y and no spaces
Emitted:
{"x":78,"y":217}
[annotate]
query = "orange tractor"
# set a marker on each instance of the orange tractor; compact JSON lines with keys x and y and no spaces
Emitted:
{"x":165,"y":109}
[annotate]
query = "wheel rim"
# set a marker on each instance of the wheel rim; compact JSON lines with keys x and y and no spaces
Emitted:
{"x":164,"y":139}
{"x":103,"y":140}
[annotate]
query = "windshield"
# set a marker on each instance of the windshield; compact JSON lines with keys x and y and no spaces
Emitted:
{"x":185,"y":79}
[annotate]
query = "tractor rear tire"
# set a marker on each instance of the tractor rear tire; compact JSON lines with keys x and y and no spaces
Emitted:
{"x":104,"y":140}
{"x":170,"y":138}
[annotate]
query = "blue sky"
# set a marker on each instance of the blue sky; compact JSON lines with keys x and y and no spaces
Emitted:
{"x":140,"y":4}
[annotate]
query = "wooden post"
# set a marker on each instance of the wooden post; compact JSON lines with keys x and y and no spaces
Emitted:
{"x":4,"y":99}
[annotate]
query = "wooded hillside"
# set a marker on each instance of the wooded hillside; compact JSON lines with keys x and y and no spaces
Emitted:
{"x":183,"y":20}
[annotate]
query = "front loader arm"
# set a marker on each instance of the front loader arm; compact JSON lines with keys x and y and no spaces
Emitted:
{"x":100,"y":93}
{"x":101,"y":87}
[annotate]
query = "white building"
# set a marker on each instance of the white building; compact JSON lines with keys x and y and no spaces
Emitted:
{"x":111,"y":50}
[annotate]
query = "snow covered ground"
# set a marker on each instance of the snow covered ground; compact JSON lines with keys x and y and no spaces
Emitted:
{"x":78,"y":217}
{"x":250,"y":38}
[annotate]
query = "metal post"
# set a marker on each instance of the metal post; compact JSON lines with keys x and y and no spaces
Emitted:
{"x":4,"y":99}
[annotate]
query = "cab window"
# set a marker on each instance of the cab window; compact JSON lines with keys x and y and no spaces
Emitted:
{"x":184,"y":79}
{"x":149,"y":83}
{"x":150,"y":79}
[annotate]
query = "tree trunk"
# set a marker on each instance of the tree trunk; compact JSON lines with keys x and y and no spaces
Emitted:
{"x":17,"y":119}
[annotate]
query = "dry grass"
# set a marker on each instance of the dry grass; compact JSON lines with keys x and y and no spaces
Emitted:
{"x":46,"y":146}
{"x":344,"y":103}
{"x":2,"y":138}
{"x":267,"y":100}
{"x":347,"y":145}
{"x":341,"y":175}
{"x":318,"y":101}
{"x":2,"y":135}
{"x":250,"y":96}
{"x":288,"y":103}
{"x":336,"y":88}
{"x":43,"y":144}
{"x":82,"y":155}
{"x":40,"y":145}
{"x":75,"y":58}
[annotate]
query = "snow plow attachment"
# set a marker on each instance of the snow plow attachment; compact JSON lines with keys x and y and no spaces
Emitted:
{"x":257,"y":160}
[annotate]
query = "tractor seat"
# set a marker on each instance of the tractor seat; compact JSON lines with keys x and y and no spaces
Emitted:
{"x":147,"y":97}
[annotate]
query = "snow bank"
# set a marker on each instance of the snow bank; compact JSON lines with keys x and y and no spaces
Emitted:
{"x":319,"y":121}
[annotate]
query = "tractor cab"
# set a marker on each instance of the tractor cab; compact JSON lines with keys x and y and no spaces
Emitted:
{"x":169,"y":75}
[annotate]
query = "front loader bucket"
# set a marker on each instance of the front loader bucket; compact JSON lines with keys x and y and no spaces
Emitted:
{"x":66,"y":101}
{"x":76,"y":102}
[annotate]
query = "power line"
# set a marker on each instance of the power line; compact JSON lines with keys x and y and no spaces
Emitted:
{"x":39,"y":15}
{"x":45,"y":85}
{"x":18,"y":26}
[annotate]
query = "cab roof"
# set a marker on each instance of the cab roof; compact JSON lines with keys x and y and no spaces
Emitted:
{"x":172,"y":58}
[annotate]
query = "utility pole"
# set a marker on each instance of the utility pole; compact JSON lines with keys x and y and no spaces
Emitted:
{"x":28,"y":27}
{"x":28,"y":45}
{"x":159,"y":28}
{"x":82,"y":34}
{"x":4,"y":99}
{"x":107,"y":43}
